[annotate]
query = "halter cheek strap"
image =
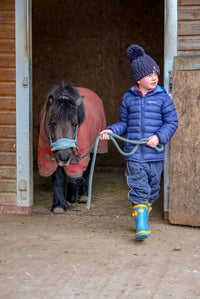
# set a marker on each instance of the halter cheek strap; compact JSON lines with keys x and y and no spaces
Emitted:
{"x":63,"y":143}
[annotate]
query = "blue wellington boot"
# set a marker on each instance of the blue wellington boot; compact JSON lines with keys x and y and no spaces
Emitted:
{"x":149,"y":208}
{"x":142,"y":230}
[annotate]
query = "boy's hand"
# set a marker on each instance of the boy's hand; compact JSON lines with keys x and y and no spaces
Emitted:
{"x":105,"y":135}
{"x":153,"y":141}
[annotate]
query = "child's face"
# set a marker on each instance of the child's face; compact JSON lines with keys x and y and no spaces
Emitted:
{"x":148,"y":82}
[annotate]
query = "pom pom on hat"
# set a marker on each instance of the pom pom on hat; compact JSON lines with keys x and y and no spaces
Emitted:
{"x":141,"y":64}
{"x":135,"y":51}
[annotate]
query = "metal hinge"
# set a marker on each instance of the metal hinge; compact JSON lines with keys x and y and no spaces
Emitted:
{"x":170,"y":80}
{"x":25,"y":82}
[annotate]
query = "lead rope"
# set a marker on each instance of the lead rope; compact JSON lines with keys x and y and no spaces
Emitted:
{"x":112,"y":136}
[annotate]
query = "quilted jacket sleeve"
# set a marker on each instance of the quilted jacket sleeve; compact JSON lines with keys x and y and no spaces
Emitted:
{"x":120,"y":127}
{"x":170,"y":120}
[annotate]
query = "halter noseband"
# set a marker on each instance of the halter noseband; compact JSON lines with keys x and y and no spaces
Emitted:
{"x":63,"y":143}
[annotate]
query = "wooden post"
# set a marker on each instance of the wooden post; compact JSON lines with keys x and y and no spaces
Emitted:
{"x":184,"y":193}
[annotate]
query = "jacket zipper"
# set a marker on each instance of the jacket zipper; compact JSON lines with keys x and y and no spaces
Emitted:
{"x":142,"y":125}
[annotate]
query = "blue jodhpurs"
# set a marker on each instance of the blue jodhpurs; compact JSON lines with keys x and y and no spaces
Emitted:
{"x":144,"y":181}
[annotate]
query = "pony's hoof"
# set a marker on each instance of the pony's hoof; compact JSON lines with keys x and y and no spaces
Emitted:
{"x":83,"y":199}
{"x":58,"y":210}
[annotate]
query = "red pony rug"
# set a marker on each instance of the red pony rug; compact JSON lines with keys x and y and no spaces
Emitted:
{"x":94,"y":123}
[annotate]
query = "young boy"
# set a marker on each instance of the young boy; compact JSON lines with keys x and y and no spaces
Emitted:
{"x":146,"y":111}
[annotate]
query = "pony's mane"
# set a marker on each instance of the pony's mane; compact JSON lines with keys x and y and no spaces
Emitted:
{"x":64,"y":105}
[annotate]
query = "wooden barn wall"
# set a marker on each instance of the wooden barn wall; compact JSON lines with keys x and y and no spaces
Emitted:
{"x":184,"y":195}
{"x":188,"y":27}
{"x":85,"y":42}
{"x":7,"y":104}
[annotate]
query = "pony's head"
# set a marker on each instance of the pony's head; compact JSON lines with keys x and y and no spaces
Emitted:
{"x":64,"y":113}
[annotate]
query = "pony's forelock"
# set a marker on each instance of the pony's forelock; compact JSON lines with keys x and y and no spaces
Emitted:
{"x":64,"y":90}
{"x":62,"y":109}
{"x":63,"y":106}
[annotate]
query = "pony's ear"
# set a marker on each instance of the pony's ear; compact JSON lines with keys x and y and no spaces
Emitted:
{"x":80,"y":110}
{"x":79,"y":101}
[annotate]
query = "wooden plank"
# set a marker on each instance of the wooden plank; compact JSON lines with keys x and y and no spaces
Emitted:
{"x":186,"y":63}
{"x":189,"y":13}
{"x":184,"y":195}
{"x":7,"y":89}
{"x":7,"y":31}
{"x":7,"y":103}
{"x":7,"y":60}
{"x":8,"y":185}
{"x":188,"y":43}
{"x":188,"y":2}
{"x":7,"y":159}
{"x":189,"y":28}
{"x":7,"y":131}
{"x":7,"y":46}
{"x":7,"y":145}
{"x":8,"y":199}
{"x":7,"y":172}
{"x":7,"y":4}
{"x":7,"y":74}
{"x":188,"y":53}
{"x":7,"y":117}
{"x":7,"y":16}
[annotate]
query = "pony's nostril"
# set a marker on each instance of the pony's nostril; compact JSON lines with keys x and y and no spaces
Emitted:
{"x":63,"y":157}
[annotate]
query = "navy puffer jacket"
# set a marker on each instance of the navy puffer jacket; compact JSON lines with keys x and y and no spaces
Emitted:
{"x":142,"y":117}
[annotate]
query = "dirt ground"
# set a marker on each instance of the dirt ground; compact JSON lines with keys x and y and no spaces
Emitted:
{"x":92,"y":253}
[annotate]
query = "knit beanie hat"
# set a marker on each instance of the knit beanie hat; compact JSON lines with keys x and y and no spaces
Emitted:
{"x":141,"y":64}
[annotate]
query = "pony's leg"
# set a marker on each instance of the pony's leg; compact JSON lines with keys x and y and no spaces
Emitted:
{"x":59,"y":201}
{"x":73,"y":188}
{"x":77,"y":189}
{"x":83,"y":189}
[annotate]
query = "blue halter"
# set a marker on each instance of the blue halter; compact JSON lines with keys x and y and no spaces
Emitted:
{"x":63,"y":143}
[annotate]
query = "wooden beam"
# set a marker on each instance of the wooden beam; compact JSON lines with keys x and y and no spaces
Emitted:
{"x":7,"y":159}
{"x":8,"y":185}
{"x":7,"y":4}
{"x":7,"y":31}
{"x":7,"y":74}
{"x":186,"y":63}
{"x":7,"y":16}
{"x":189,"y":28}
{"x":188,"y":53}
{"x":7,"y":46}
{"x":7,"y":145}
{"x":7,"y":117}
{"x":189,"y":13}
{"x":189,"y":43}
{"x":8,"y":172}
{"x":7,"y":131}
{"x":188,"y":2}
{"x":7,"y":60}
{"x":184,"y":195}
{"x":7,"y":88}
{"x":7,"y":103}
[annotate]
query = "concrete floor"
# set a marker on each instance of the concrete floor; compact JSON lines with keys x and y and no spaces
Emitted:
{"x":92,"y":253}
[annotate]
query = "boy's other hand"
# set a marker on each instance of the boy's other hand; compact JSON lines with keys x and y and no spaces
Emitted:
{"x":153,"y":141}
{"x":105,"y":135}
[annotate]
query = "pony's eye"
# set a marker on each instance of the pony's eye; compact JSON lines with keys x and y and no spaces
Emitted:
{"x":52,"y":124}
{"x":74,"y":124}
